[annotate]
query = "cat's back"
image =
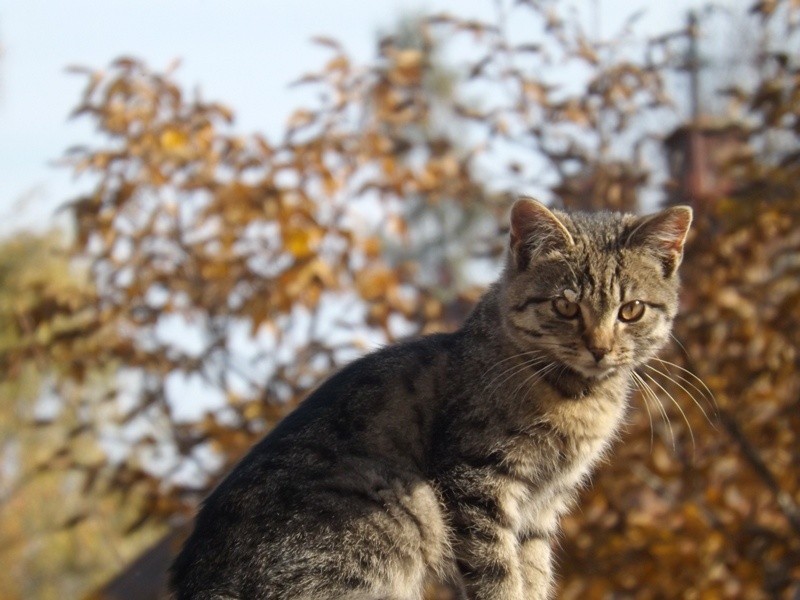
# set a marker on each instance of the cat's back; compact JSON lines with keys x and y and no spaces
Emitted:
{"x":390,"y":391}
{"x":356,"y":445}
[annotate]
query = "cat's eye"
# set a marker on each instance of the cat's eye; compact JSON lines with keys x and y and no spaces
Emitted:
{"x":631,"y":311}
{"x":565,"y":308}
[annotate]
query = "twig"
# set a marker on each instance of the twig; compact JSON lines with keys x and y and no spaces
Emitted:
{"x":785,"y":502}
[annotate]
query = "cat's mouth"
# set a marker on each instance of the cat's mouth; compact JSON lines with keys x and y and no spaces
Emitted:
{"x":575,"y":381}
{"x":595,"y":371}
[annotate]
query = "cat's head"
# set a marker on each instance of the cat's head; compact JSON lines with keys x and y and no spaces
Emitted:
{"x":593,"y":292}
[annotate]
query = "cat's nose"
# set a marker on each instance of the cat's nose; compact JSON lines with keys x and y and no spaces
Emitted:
{"x":599,"y":352}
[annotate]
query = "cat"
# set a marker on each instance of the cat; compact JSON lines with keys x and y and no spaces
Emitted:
{"x":451,"y":457}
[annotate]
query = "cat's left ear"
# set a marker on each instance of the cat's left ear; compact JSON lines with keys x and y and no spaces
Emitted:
{"x":535,"y":230}
{"x":665,"y":233}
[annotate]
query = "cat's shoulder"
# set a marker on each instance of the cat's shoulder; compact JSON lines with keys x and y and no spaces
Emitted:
{"x":413,"y":352}
{"x":379,"y":368}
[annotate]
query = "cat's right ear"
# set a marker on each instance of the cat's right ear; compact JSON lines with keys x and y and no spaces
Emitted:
{"x":534,"y":229}
{"x":665,"y":234}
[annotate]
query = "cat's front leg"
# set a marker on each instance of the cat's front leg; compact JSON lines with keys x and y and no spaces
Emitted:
{"x":489,"y":560}
{"x":536,"y":563}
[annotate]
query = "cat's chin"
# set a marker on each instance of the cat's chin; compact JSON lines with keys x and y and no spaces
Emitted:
{"x":595,"y":373}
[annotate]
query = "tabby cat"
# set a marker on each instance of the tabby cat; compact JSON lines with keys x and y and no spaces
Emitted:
{"x":452,"y":457}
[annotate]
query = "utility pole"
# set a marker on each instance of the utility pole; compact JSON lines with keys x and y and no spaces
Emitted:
{"x":693,"y":66}
{"x":695,"y":176}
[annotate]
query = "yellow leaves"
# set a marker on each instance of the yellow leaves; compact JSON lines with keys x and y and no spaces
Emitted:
{"x":304,"y":284}
{"x":376,"y":144}
{"x":575,"y":112}
{"x":389,"y":166}
{"x":587,"y":52}
{"x":252,"y":411}
{"x":407,"y":66}
{"x":438,"y":173}
{"x":173,"y":139}
{"x":395,"y":104}
{"x":338,"y":63}
{"x":225,"y":439}
{"x":233,"y":226}
{"x":374,"y":281}
{"x":663,"y":460}
{"x":214,"y":270}
{"x":432,"y":309}
{"x":299,"y":119}
{"x":301,"y":235}
{"x":300,"y":242}
{"x":396,"y":225}
{"x":408,"y":61}
{"x":535,"y":91}
{"x":372,"y":246}
{"x":330,"y":183}
{"x":239,"y":204}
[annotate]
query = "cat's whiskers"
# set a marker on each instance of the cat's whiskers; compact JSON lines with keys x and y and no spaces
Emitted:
{"x":527,"y":354}
{"x":560,"y":373}
{"x":514,"y":371}
{"x":497,"y":383}
{"x":653,"y":396}
{"x":677,"y":341}
{"x":675,"y":381}
{"x":678,"y":406}
{"x":707,"y":394}
{"x":534,"y":377}
{"x":635,"y":380}
{"x":508,"y":358}
{"x":522,"y":368}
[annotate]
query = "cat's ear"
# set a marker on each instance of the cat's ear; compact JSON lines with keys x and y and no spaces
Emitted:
{"x":534,"y":229}
{"x":664,"y":233}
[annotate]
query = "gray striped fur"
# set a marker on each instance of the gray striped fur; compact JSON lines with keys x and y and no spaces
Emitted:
{"x":451,"y":457}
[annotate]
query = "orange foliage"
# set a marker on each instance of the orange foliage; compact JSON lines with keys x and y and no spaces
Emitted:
{"x":309,"y":245}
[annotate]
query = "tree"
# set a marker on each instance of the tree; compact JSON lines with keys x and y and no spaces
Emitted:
{"x":712,"y":507}
{"x":190,"y":222}
{"x":282,"y":259}
{"x":53,"y":536}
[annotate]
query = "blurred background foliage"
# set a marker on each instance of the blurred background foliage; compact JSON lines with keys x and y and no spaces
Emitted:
{"x":213,"y":278}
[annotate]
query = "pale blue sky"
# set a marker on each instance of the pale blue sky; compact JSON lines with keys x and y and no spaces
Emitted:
{"x":241,"y":52}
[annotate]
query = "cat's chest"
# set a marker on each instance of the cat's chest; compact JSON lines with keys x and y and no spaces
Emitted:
{"x":553,"y":462}
{"x":565,"y":437}
{"x":541,"y":492}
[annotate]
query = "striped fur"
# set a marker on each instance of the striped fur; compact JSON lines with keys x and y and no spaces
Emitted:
{"x":450,"y":457}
